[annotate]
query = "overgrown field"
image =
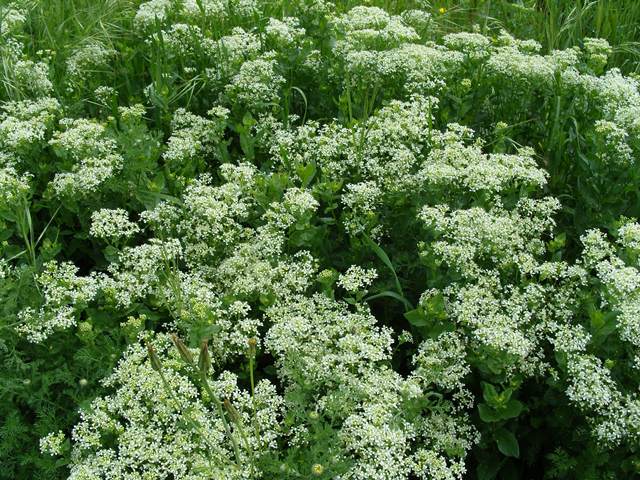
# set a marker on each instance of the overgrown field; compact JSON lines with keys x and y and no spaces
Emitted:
{"x":251,"y":239}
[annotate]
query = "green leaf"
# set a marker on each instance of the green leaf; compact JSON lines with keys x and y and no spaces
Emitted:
{"x":487,"y":414}
{"x":435,"y":307}
{"x":557,"y":243}
{"x":487,"y":470}
{"x":382,"y":255}
{"x":248,"y":120}
{"x":6,"y":234}
{"x":385,"y":259}
{"x":417,"y":318}
{"x":507,"y":443}
{"x":306,"y":173}
{"x":111,"y":253}
{"x":513,"y":409}
{"x":389,"y":293}
{"x":489,"y":393}
{"x":7,"y":214}
{"x":246,"y":144}
{"x":200,"y":332}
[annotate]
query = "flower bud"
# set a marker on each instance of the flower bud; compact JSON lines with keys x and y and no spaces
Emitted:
{"x":204,"y":360}
{"x":153,"y":357}
{"x":233,"y":413}
{"x":252,"y":346}
{"x":185,"y":353}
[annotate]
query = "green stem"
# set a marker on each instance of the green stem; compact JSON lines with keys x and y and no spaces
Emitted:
{"x":218,"y":404}
{"x":253,"y":400}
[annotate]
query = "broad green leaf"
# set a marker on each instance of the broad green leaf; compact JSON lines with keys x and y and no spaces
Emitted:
{"x":489,"y":393}
{"x":507,"y":443}
{"x":513,"y":409}
{"x":417,"y":317}
{"x":306,"y":173}
{"x":385,"y":259}
{"x":488,"y":469}
{"x":488,"y":414}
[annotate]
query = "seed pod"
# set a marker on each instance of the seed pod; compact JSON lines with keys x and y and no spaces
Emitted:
{"x":185,"y":353}
{"x":252,"y":346}
{"x":233,"y":413}
{"x":153,"y":358}
{"x":204,"y":360}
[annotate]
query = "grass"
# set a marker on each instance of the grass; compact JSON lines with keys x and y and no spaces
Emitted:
{"x":556,"y":24}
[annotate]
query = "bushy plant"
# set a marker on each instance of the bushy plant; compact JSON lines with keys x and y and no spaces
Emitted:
{"x":258,"y":240}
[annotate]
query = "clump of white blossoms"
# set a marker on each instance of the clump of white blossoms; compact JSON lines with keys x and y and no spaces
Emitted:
{"x":87,"y":60}
{"x":266,"y":184}
{"x":33,"y":77}
{"x":24,"y":125}
{"x":52,"y":443}
{"x":357,"y":278}
{"x":93,"y":155}
{"x":112,"y":224}
{"x":165,"y":427}
{"x":194,"y":138}
{"x":64,"y":293}
{"x":256,"y":85}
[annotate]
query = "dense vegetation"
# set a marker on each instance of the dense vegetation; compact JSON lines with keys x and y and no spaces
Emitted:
{"x":244,"y":239}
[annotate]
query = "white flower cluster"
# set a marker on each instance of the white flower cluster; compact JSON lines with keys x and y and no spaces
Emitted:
{"x":64,"y":292}
{"x":25,"y":124}
{"x":597,"y":52}
{"x":441,"y":362}
{"x":153,"y":11}
{"x":12,"y":17}
{"x":139,"y":271}
{"x":284,"y":33}
{"x":469,"y":238}
{"x":336,"y":357}
{"x":33,"y":77}
{"x":296,"y":206}
{"x":223,"y":257}
{"x":112,"y":224}
{"x":357,"y":278}
{"x":14,"y":188}
{"x":88,"y":60}
{"x":194,"y":138}
{"x":92,"y":152}
{"x":256,"y":85}
{"x":52,"y":443}
{"x":165,"y":428}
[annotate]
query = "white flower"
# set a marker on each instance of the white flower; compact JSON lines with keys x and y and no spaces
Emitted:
{"x":357,"y":278}
{"x":112,"y":224}
{"x":52,"y":443}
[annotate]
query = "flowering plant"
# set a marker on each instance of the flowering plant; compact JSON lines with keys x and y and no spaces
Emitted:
{"x":306,"y":240}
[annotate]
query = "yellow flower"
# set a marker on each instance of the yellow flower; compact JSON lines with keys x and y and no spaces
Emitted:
{"x":442,"y":10}
{"x":317,"y":469}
